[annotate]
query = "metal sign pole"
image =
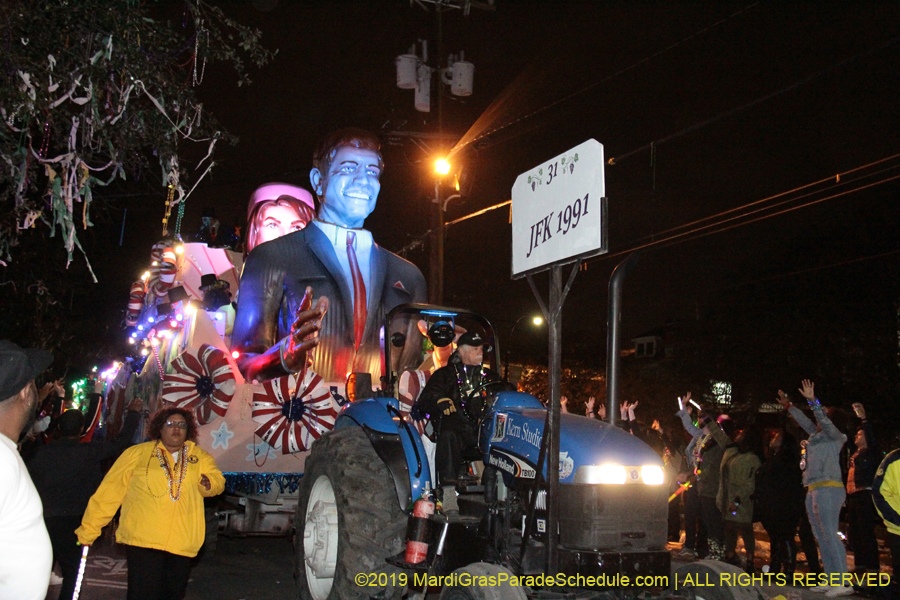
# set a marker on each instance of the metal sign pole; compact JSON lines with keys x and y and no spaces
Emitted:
{"x":555,"y":360}
{"x":551,"y":431}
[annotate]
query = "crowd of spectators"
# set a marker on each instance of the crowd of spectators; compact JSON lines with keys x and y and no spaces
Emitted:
{"x":798,"y":475}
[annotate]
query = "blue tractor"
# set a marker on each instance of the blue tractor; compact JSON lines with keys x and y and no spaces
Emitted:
{"x":361,"y":480}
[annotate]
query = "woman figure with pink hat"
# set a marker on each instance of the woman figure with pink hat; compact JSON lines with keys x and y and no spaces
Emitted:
{"x":274,"y":210}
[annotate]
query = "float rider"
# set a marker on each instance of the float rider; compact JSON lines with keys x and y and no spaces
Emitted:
{"x":444,"y":400}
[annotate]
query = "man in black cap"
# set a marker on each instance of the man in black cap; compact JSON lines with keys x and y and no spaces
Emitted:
{"x":24,"y":544}
{"x":444,"y":400}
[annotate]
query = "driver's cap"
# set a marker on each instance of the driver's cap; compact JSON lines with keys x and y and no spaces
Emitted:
{"x":470,"y":338}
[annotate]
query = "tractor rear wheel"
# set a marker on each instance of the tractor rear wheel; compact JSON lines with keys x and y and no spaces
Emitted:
{"x":348,"y":521}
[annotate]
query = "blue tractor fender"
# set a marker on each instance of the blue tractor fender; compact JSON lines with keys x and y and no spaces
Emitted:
{"x":395,"y":441}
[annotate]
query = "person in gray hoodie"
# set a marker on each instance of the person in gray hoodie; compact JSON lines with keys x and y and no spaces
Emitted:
{"x":822,"y":477}
{"x":695,"y":540}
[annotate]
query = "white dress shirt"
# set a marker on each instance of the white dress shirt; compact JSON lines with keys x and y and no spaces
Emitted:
{"x":337,"y":235}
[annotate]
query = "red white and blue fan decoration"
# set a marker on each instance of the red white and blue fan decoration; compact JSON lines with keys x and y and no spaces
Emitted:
{"x":292,"y":417}
{"x":202,"y":383}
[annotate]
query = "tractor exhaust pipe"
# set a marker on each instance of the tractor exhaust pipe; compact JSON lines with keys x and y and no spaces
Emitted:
{"x":614,"y":333}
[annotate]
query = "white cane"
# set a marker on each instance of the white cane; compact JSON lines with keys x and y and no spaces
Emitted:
{"x":80,"y":578}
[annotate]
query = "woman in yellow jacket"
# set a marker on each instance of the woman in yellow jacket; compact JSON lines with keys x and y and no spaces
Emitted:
{"x":160,"y":486}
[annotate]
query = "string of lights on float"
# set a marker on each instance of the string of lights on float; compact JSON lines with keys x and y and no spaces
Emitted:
{"x":149,"y":331}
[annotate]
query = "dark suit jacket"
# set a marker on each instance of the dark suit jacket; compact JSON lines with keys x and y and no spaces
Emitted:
{"x":273,"y":282}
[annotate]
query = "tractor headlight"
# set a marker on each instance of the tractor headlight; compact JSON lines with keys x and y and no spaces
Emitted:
{"x":600,"y":474}
{"x":652,"y":475}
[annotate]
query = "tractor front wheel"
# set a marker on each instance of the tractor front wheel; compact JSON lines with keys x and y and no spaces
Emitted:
{"x":347,"y":522}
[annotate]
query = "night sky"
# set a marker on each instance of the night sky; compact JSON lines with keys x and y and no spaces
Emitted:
{"x":743,"y":101}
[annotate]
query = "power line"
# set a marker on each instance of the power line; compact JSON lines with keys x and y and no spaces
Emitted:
{"x":682,"y":237}
{"x":836,"y":178}
{"x":696,"y":225}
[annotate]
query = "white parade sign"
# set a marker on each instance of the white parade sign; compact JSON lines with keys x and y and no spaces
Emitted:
{"x":559,"y":210}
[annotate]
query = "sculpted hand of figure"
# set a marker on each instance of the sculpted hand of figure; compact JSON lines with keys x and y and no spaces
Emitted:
{"x":296,"y":347}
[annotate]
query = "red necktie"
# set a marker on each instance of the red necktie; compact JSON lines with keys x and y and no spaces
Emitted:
{"x":359,"y":290}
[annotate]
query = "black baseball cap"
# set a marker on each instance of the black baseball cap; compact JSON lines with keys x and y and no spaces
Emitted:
{"x":19,"y":366}
{"x":470,"y":338}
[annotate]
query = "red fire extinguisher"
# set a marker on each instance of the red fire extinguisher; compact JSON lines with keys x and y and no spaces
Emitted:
{"x":417,"y":528}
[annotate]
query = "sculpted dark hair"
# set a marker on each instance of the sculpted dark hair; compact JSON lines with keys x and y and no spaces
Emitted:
{"x":154,"y":431}
{"x":349,"y":136}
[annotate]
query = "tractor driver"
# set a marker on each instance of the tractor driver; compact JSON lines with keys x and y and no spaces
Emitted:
{"x":443,"y":399}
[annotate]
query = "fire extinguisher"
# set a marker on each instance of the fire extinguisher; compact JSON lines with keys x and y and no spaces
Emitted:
{"x":417,"y":528}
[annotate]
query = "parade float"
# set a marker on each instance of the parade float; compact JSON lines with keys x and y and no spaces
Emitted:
{"x":179,"y":320}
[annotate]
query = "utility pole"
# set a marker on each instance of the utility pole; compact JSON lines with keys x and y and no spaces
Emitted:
{"x":414,"y":72}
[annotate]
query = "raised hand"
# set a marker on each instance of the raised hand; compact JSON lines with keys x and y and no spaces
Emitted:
{"x":562,"y":404}
{"x":783,"y":399}
{"x":45,"y":391}
{"x":589,"y":405}
{"x":808,"y":389}
{"x":859,"y":410}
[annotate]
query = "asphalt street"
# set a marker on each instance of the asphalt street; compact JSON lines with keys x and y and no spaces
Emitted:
{"x":257,"y":568}
{"x":253,"y":568}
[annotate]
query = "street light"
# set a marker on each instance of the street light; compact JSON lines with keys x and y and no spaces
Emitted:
{"x":436,"y":285}
{"x":442,"y":166}
{"x":536,"y":321}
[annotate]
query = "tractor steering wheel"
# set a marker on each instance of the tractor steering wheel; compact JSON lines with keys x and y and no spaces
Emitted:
{"x":474,"y":405}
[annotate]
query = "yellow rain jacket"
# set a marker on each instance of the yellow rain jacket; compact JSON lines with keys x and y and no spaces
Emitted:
{"x":150,"y":518}
{"x":886,"y":491}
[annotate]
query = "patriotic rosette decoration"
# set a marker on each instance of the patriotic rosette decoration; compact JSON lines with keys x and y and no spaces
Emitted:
{"x":292,"y":417}
{"x":162,"y":269}
{"x":202,"y":383}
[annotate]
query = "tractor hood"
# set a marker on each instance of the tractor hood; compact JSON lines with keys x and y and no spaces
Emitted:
{"x":511,"y":437}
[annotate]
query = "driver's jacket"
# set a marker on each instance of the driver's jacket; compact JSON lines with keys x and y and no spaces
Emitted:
{"x":445,"y":383}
